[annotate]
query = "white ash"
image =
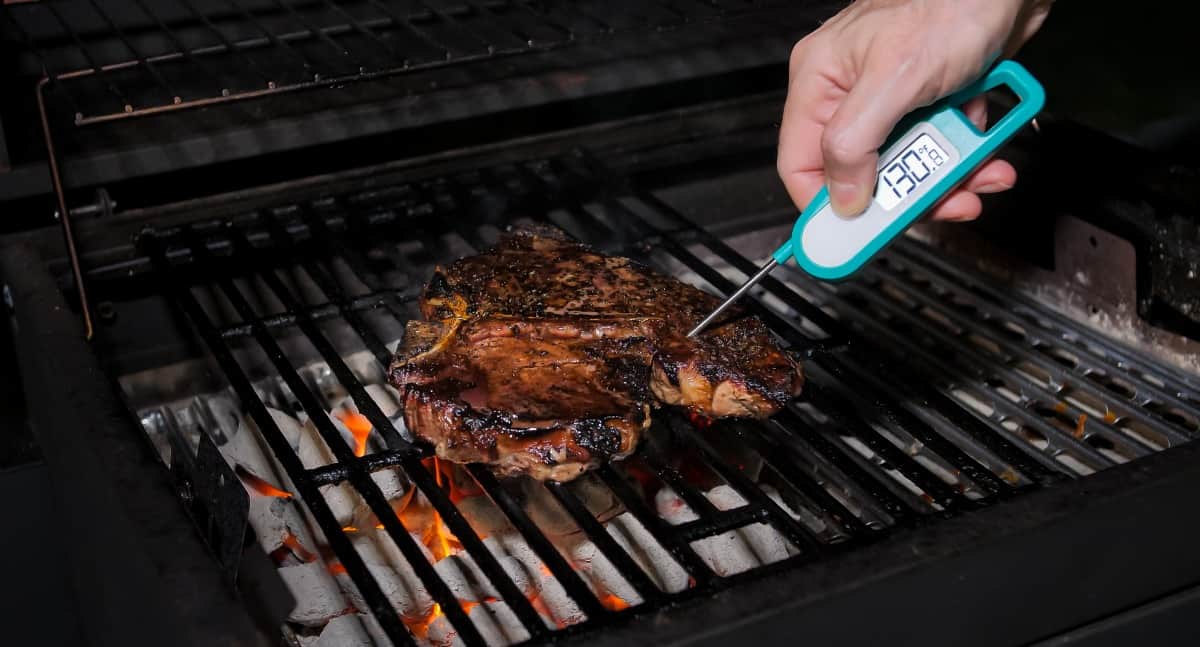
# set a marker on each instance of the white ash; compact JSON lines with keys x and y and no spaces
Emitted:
{"x":318,"y":598}
{"x":274,"y":519}
{"x":403,"y":590}
{"x":313,"y":453}
{"x":726,"y":554}
{"x":564,"y":611}
{"x":348,"y":630}
{"x":248,"y":449}
{"x":484,"y":517}
{"x":407,"y":593}
{"x":467,"y":581}
{"x":495,"y":621}
{"x":767,"y":544}
{"x":654,"y":559}
{"x":600,"y":572}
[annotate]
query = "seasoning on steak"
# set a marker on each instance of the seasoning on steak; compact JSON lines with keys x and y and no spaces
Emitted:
{"x":528,"y":344}
{"x":547,"y":397}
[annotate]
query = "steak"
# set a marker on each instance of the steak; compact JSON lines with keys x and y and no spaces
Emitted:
{"x":542,"y":356}
{"x":548,"y":397}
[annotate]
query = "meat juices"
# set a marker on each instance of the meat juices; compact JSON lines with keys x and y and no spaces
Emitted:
{"x":543,"y":357}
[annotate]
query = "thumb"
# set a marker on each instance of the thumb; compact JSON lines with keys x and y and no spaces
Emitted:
{"x":851,"y":140}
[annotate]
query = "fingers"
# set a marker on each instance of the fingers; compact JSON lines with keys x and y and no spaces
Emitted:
{"x":960,"y":206}
{"x":812,"y":99}
{"x":863,"y":121}
{"x":964,"y":204}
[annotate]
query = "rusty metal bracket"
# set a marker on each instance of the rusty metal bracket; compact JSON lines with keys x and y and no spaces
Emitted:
{"x":64,"y":214}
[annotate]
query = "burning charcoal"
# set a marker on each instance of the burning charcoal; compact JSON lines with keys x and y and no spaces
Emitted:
{"x":605,"y":577}
{"x":468,"y":582}
{"x":317,"y":595}
{"x":766,"y":542}
{"x":485,"y":518}
{"x":345,"y":631}
{"x":278,"y":523}
{"x":401,"y":588}
{"x":248,"y":450}
{"x":814,"y":523}
{"x":495,"y":621}
{"x":552,"y":519}
{"x":561,"y":607}
{"x":726,"y":553}
{"x":377,"y":546}
{"x":564,"y":611}
{"x":386,"y":397}
{"x":666,"y":573}
{"x":314,"y":453}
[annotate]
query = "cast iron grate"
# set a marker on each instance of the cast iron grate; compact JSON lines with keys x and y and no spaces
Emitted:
{"x":929,"y":393}
{"x":115,"y":59}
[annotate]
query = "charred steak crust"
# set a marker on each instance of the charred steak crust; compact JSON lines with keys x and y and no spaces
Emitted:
{"x":542,"y":356}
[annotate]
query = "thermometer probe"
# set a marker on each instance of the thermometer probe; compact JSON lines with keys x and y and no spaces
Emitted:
{"x":929,"y":154}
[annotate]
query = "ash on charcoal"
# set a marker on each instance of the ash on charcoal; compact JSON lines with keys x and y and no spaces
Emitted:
{"x":318,"y":598}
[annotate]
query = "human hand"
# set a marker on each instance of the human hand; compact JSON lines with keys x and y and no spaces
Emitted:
{"x":855,"y":77}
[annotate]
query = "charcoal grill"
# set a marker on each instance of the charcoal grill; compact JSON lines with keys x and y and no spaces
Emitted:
{"x":963,"y":463}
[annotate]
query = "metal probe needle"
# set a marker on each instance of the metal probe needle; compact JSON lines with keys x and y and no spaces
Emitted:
{"x":766,"y":269}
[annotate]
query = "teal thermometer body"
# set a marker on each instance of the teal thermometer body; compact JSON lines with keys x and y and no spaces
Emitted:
{"x":929,"y":154}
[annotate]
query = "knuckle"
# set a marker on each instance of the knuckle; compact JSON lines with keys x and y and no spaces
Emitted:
{"x":839,"y":146}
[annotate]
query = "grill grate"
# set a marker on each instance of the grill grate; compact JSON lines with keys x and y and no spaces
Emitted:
{"x":116,"y":59}
{"x":929,"y":393}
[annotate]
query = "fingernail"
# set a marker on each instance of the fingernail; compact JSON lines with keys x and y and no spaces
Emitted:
{"x":847,"y":198}
{"x":994,"y":187}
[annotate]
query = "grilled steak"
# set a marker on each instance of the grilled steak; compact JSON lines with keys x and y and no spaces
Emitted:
{"x":528,"y":345}
{"x":547,"y":397}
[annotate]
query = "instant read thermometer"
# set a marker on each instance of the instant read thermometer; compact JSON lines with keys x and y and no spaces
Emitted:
{"x":930,"y":153}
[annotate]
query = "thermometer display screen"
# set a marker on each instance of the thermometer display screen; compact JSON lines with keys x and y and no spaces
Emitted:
{"x":908,"y":170}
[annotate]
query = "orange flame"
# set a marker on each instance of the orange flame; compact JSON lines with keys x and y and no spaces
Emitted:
{"x":359,"y":427}
{"x":259,"y":485}
{"x":1081,"y":425}
{"x":349,"y":529}
{"x":336,"y":569}
{"x":613,"y":603}
{"x":298,"y":549}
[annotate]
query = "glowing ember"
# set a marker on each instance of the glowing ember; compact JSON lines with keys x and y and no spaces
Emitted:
{"x":336,"y":569}
{"x":298,"y":549}
{"x":359,"y":427}
{"x":613,"y":603}
{"x":1081,"y":425}
{"x":349,"y":529}
{"x":699,"y":421}
{"x":260,"y":486}
{"x":1110,"y":417}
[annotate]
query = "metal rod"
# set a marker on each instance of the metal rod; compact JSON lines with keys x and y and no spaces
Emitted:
{"x":64,"y":214}
{"x":733,"y":298}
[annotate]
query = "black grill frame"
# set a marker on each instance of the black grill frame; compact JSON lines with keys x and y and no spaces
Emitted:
{"x":912,"y":528}
{"x":196,"y":253}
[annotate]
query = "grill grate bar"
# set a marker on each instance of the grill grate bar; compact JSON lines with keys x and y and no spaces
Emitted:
{"x":1026,"y":350}
{"x":933,"y":486}
{"x":628,"y":568}
{"x":338,"y":472}
{"x":796,"y":532}
{"x":562,"y":571}
{"x":361,"y":481}
{"x":986,"y":437}
{"x":662,"y":532}
{"x":1089,"y":455}
{"x":724,"y":521}
{"x":450,"y":606}
{"x":388,"y":619}
{"x":1057,"y":326}
{"x":1045,"y":395}
{"x":761,"y":439}
{"x":798,"y":431}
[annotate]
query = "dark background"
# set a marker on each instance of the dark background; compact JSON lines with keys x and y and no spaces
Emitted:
{"x":1126,"y":68}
